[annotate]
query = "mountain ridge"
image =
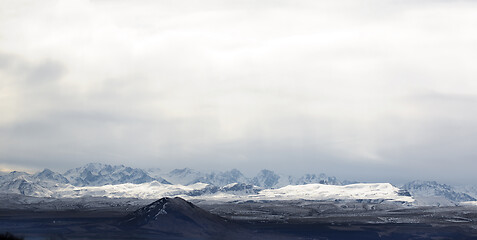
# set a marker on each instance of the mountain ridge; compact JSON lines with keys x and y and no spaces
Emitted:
{"x":97,"y":179}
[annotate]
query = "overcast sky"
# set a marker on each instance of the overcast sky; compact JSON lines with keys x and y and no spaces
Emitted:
{"x":364,"y":90}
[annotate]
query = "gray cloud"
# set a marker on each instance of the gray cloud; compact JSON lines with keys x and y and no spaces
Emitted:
{"x":45,"y":72}
{"x":5,"y":61}
{"x":375,"y":91}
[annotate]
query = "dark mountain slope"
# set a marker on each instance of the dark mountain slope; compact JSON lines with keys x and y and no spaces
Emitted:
{"x":177,"y":218}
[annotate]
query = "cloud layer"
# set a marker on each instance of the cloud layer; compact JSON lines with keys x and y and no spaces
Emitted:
{"x":368,"y":90}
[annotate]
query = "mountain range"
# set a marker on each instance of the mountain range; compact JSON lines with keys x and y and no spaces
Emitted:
{"x":97,"y":179}
{"x":47,"y":182}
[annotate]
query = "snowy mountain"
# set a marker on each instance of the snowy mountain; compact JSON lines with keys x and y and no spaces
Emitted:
{"x":433,"y":193}
{"x":471,"y":190}
{"x":155,"y":172}
{"x":23,"y":184}
{"x":313,"y":178}
{"x":103,"y":180}
{"x":266,"y":179}
{"x":49,"y":176}
{"x":240,"y":188}
{"x":41,"y":184}
{"x":98,"y":174}
{"x":240,"y":192}
{"x":185,"y":176}
{"x":50,"y":184}
{"x":153,"y":190}
{"x":149,"y":190}
{"x":188,"y":176}
{"x":225,"y":178}
{"x":269,"y":179}
{"x":12,"y":175}
{"x":359,"y":191}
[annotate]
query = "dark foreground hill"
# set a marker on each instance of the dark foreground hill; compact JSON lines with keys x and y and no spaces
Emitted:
{"x":178,"y":217}
{"x":9,"y":236}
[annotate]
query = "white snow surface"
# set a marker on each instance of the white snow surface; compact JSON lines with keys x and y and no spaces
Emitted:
{"x":150,"y":190}
{"x":469,"y":203}
{"x":155,"y":190}
{"x":327,"y":192}
{"x":365,"y":191}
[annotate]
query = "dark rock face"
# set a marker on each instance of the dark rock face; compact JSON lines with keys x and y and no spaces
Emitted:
{"x":403,"y":192}
{"x":180,"y":218}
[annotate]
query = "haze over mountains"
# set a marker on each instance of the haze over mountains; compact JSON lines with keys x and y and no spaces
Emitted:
{"x":96,"y":179}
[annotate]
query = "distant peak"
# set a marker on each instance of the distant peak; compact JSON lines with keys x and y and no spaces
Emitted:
{"x":170,"y":199}
{"x":94,"y":165}
{"x":18,"y":173}
{"x":161,"y":202}
{"x":159,"y":208}
{"x":46,"y":170}
{"x":425,"y":183}
{"x":176,"y":203}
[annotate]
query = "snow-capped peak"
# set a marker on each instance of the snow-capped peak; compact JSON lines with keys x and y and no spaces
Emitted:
{"x":48,"y":175}
{"x":97,"y":174}
{"x":434,"y":193}
{"x":266,"y":178}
